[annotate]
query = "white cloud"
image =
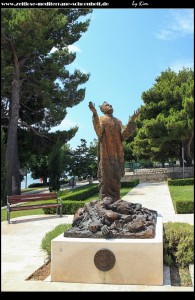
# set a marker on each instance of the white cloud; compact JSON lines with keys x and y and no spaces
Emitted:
{"x":65,"y":125}
{"x":164,"y":35}
{"x":183,"y":21}
{"x":178,"y":65}
{"x":53,"y":50}
{"x":73,"y":48}
{"x":180,"y":22}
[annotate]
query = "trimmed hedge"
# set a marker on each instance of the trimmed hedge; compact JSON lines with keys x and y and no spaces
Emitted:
{"x":184,"y":207}
{"x":186,"y":181}
{"x":77,"y":198}
{"x":81,"y":195}
{"x":78,"y":195}
{"x":132,"y":183}
{"x":38,"y":184}
{"x":68,"y":207}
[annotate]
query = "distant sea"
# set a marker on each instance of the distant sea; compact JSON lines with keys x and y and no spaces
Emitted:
{"x":28,"y":180}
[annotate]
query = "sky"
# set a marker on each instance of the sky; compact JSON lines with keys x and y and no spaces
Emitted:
{"x":124,"y":50}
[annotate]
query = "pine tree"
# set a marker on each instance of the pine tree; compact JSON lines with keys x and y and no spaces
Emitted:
{"x":166,"y":119}
{"x":36,"y":86}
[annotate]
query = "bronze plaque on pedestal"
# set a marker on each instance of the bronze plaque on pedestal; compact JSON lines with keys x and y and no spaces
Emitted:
{"x":104,"y":260}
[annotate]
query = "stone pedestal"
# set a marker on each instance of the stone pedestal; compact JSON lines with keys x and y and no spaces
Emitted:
{"x":110,"y":261}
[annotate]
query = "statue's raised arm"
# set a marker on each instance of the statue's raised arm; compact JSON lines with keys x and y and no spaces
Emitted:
{"x":131,"y":126}
{"x":135,"y":115}
{"x":92,"y":108}
{"x":96,"y":122}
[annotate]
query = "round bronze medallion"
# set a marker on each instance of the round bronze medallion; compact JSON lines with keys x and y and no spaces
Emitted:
{"x":104,"y":260}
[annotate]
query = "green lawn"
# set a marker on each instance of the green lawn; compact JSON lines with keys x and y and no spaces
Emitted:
{"x":40,"y":211}
{"x":180,"y":193}
{"x":185,"y":192}
{"x":31,"y":189}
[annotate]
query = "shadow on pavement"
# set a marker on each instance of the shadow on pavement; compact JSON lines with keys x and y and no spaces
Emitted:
{"x":35,"y":219}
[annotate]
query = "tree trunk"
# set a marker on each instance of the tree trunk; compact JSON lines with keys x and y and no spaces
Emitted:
{"x":189,"y":147}
{"x":44,"y":180}
{"x":13,"y":174}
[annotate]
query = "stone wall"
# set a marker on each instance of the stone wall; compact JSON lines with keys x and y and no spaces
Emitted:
{"x":158,"y":174}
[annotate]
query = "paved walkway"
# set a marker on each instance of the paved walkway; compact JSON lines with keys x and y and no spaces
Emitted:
{"x":21,"y":254}
{"x":156,"y":196}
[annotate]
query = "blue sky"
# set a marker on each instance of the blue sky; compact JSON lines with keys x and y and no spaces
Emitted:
{"x":124,"y":50}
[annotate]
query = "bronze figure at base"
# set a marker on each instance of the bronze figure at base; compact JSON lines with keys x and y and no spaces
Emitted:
{"x":113,"y":219}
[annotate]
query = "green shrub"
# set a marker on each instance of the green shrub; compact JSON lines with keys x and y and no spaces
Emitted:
{"x":178,"y":243}
{"x":70,"y":207}
{"x":184,"y":206}
{"x":46,"y":241}
{"x":185,"y":181}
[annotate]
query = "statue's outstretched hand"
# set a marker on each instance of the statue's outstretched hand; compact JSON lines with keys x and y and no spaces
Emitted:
{"x":135,"y":115}
{"x":92,"y":107}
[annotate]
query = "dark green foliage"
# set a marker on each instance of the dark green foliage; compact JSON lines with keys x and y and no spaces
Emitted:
{"x":33,"y":185}
{"x":181,"y":182}
{"x":178,"y":243}
{"x":70,"y":207}
{"x":83,"y":160}
{"x":128,"y":149}
{"x":38,"y":165}
{"x":166,"y":119}
{"x":46,"y":241}
{"x":184,"y":207}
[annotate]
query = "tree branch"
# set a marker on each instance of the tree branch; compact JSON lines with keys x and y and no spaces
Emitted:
{"x":23,"y":124}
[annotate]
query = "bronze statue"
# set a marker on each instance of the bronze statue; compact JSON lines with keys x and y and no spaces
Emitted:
{"x":110,"y":216}
{"x":110,"y":149}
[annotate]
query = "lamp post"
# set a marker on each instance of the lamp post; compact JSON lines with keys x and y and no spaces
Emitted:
{"x":26,"y":180}
{"x":183,"y":158}
{"x":136,"y":160}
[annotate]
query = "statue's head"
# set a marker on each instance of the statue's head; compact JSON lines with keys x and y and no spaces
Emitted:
{"x":106,"y":108}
